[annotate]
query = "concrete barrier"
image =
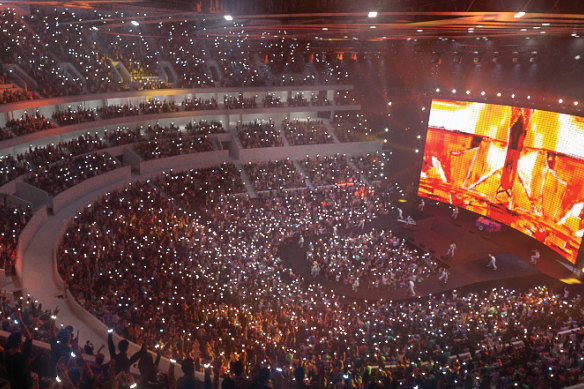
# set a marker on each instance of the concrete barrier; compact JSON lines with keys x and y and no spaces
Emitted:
{"x":71,"y":100}
{"x":94,"y":183}
{"x":36,"y":196}
{"x":184,"y":162}
{"x":302,"y":151}
{"x":10,"y":186}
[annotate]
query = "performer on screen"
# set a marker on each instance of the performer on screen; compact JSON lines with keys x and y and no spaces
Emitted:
{"x":520,"y":118}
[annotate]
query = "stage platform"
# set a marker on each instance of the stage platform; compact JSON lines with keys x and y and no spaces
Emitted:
{"x":433,"y":233}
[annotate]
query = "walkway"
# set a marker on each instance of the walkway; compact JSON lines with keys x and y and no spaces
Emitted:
{"x":37,"y":267}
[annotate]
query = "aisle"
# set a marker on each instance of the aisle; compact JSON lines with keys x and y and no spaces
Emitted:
{"x":37,"y":267}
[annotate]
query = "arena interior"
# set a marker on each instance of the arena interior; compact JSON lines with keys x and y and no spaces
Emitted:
{"x":292,"y":194}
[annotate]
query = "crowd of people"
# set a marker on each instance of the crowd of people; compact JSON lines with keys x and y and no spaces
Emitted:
{"x":199,"y":104}
{"x":259,"y":134}
{"x":271,"y":100}
{"x":372,"y":166}
{"x":40,"y":157}
{"x":230,"y":297}
{"x":306,"y":132}
{"x":28,"y":123}
{"x":14,"y":95}
{"x":374,"y":259}
{"x":239,"y":101}
{"x":188,"y":265}
{"x":14,"y":218}
{"x":70,"y":52}
{"x":346,"y":97}
{"x":60,"y":176}
{"x":204,"y":127}
{"x":274,"y":175}
{"x":351,"y":127}
{"x":167,"y":141}
{"x":330,"y":170}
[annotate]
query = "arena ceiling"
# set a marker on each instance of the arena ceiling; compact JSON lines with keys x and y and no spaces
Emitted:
{"x":339,"y":20}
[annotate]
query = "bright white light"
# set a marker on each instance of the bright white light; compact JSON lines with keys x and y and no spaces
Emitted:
{"x":420,"y":30}
{"x":498,"y":94}
{"x":513,"y":96}
{"x":575,"y":103}
{"x":228,"y":17}
{"x":528,"y":97}
{"x":468,"y":92}
{"x":372,"y":14}
{"x":372,"y":27}
{"x":577,"y":57}
{"x":437,"y":90}
{"x":135,"y":23}
{"x":94,"y":28}
{"x":454,"y":91}
{"x":560,"y":101}
{"x":519,"y":15}
{"x":482,"y":93}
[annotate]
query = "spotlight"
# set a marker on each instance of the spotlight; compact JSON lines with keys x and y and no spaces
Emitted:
{"x":533,"y":58}
{"x":483,"y":93}
{"x":372,"y":14}
{"x":467,"y":92}
{"x":228,"y":17}
{"x":454,"y":91}
{"x":513,"y":95}
{"x":477,"y":58}
{"x":575,"y":103}
{"x":519,"y":15}
{"x":498,"y":94}
{"x":577,"y":57}
{"x":437,"y":90}
{"x":560,"y":101}
{"x":135,"y":23}
{"x":496,"y":58}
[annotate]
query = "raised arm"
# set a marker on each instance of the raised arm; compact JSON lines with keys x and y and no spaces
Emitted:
{"x":110,"y":345}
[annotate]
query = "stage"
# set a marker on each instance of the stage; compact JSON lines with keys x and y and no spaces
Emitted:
{"x":433,"y":233}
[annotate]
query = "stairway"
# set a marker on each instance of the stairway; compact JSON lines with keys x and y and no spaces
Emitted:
{"x":303,"y":174}
{"x":246,"y":181}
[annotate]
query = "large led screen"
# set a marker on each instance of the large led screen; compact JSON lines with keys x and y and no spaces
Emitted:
{"x":522,"y":167}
